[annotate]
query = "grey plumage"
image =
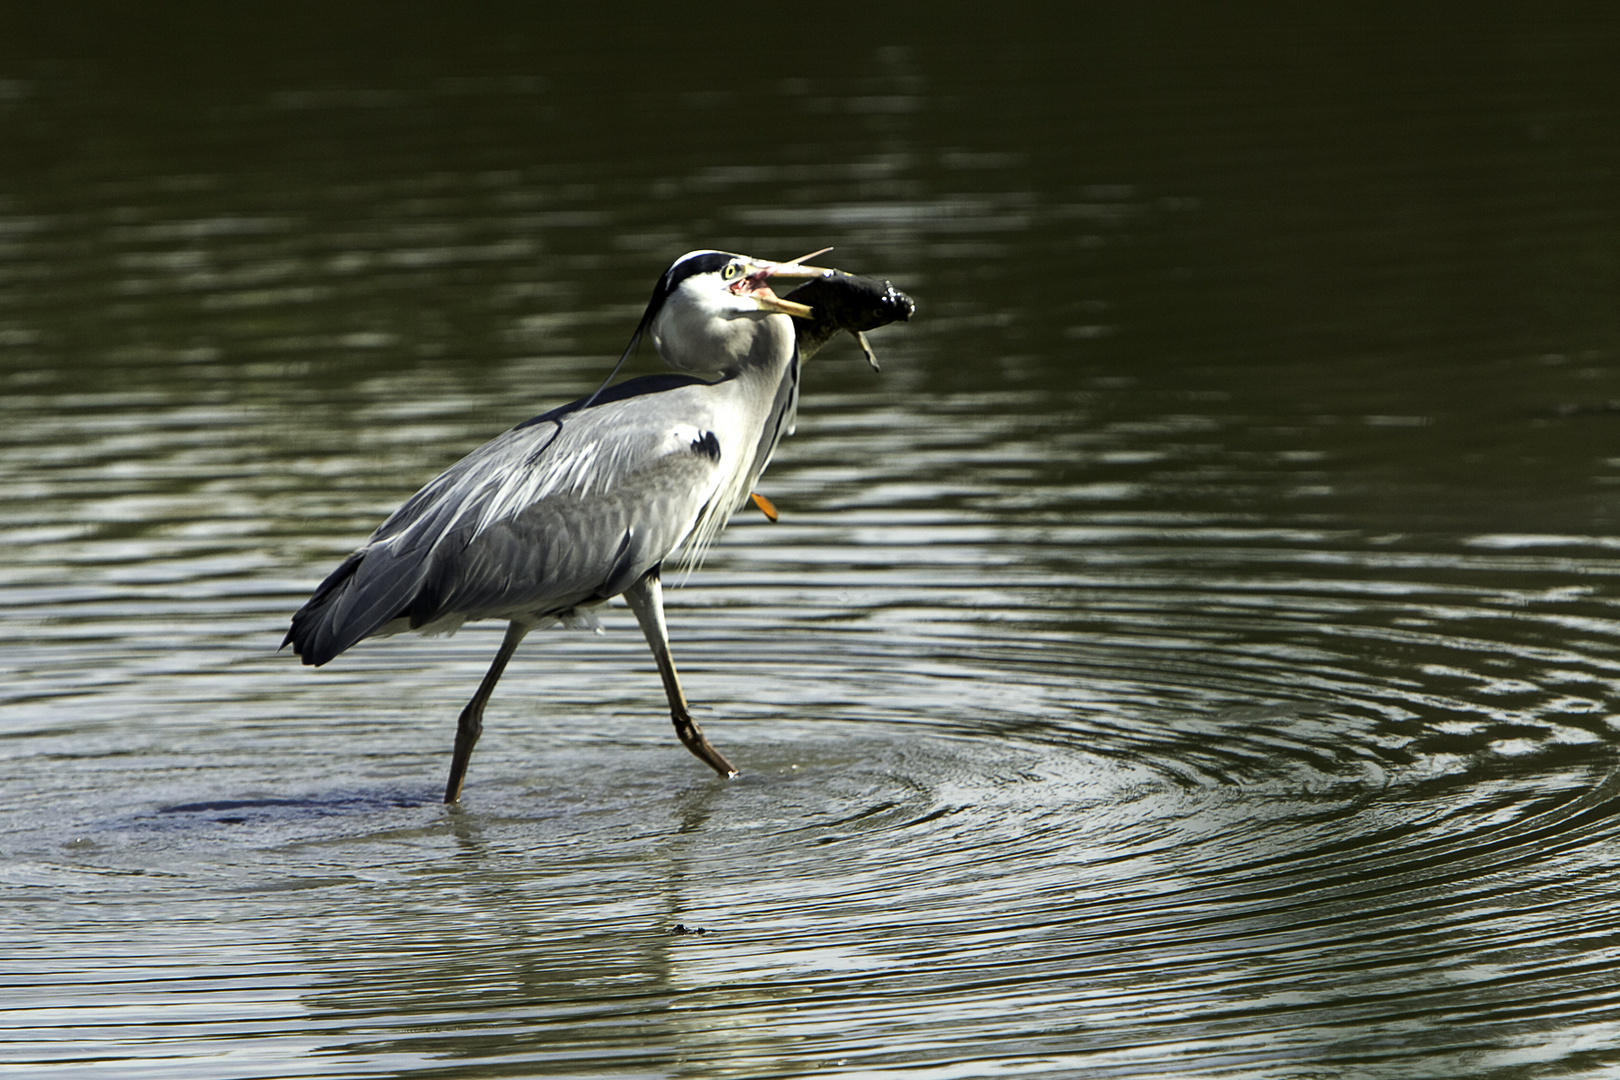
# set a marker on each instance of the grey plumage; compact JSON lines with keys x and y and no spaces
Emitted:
{"x":588,"y":501}
{"x":548,"y":518}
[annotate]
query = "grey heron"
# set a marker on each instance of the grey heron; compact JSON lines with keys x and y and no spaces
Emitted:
{"x":586,"y":502}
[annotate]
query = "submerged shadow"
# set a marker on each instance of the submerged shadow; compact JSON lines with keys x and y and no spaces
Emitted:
{"x":274,"y":810}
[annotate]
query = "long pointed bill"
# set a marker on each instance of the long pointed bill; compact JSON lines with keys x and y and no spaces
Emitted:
{"x":797,"y":269}
{"x":769,"y":301}
{"x":754,"y":285}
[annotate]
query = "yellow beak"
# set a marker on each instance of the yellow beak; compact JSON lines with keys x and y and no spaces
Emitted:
{"x":768,"y":300}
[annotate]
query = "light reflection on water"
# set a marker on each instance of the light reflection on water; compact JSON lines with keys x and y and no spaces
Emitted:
{"x":1140,"y":682}
{"x":1031,"y":778}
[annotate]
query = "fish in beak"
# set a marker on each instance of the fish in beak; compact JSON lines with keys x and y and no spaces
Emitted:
{"x":754,"y":285}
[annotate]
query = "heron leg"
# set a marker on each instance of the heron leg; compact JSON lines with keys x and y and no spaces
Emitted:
{"x":471,"y":724}
{"x":646,"y":599}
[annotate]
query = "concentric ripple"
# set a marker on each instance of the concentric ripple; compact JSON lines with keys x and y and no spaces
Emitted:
{"x":1062,"y":790}
{"x":1195,"y":655}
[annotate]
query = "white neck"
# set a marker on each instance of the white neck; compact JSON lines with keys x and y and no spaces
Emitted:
{"x":701,"y":339}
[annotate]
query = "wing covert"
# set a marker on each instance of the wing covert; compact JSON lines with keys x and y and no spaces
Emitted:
{"x":568,"y":508}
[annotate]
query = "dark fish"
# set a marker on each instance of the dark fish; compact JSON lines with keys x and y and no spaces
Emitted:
{"x":850,"y":303}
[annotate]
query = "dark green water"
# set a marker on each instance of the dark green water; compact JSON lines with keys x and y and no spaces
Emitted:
{"x":1195,"y":655}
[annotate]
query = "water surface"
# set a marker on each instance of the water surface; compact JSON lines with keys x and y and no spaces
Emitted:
{"x":1195,"y":655}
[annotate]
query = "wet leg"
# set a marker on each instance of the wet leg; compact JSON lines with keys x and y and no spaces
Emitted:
{"x":646,"y":599}
{"x":471,"y":724}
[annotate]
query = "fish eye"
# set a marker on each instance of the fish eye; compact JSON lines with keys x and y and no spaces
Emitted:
{"x":731,"y":271}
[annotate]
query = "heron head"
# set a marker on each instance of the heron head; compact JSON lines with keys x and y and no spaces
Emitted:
{"x":712,"y":309}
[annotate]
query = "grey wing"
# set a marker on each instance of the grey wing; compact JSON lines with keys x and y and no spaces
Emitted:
{"x":544,"y":518}
{"x":567,"y":549}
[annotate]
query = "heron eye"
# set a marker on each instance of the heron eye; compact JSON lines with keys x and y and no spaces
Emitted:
{"x":731,"y":271}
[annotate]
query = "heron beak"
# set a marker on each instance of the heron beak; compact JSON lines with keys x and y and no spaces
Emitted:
{"x":754,"y":285}
{"x":769,"y":301}
{"x":797,"y":270}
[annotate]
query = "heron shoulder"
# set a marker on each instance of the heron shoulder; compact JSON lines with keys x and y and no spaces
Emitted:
{"x":642,"y":386}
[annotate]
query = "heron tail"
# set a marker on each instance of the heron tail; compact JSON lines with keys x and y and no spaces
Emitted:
{"x":316,"y":631}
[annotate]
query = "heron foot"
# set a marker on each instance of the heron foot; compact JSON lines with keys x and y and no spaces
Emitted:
{"x":693,"y":739}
